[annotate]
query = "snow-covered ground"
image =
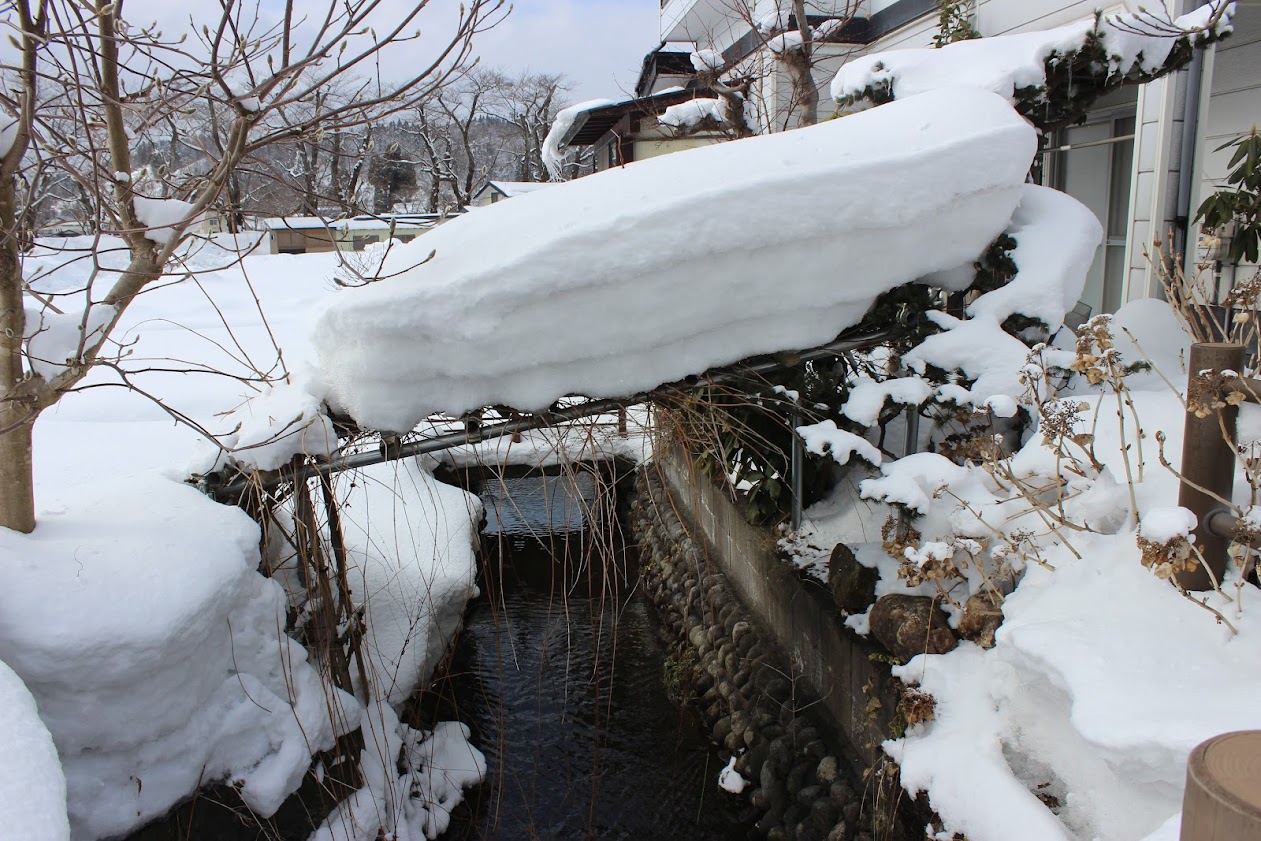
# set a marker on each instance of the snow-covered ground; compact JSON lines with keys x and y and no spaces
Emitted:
{"x":135,"y":613}
{"x":1103,"y":677}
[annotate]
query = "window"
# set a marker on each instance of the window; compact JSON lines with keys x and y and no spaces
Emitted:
{"x":1093,"y":163}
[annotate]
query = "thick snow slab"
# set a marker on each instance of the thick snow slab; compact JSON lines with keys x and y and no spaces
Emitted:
{"x":629,"y":278}
{"x":134,"y":613}
{"x":410,"y":542}
{"x":32,"y":785}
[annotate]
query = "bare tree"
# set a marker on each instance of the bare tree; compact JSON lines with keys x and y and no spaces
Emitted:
{"x":786,"y":47}
{"x":487,"y":126}
{"x":85,"y":80}
{"x":529,"y":104}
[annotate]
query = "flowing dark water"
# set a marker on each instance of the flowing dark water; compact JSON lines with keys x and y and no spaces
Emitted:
{"x":560,"y":675}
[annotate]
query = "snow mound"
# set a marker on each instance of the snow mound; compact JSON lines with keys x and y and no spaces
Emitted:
{"x":708,"y":61}
{"x":32,"y":785}
{"x":410,"y":543}
{"x":597,"y":288}
{"x":135,"y":615}
{"x":437,"y":765}
{"x":824,"y":438}
{"x":270,"y":429}
{"x":1078,"y":702}
{"x":693,"y":113}
{"x":1005,"y":64}
{"x":729,"y":779}
{"x":1056,"y":237}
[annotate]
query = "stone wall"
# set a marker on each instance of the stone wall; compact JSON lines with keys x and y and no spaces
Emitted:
{"x":846,"y":675}
{"x":759,"y":686}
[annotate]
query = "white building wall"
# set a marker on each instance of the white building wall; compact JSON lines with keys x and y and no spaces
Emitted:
{"x":1232,"y":108}
{"x":1232,"y":103}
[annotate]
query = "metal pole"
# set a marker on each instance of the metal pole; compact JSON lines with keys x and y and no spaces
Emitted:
{"x":797,"y":469}
{"x":912,"y":431}
{"x":227,"y":490}
{"x":1208,"y":457}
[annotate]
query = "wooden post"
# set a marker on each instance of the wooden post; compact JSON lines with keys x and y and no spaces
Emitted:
{"x":1223,"y":796}
{"x":1208,"y":458}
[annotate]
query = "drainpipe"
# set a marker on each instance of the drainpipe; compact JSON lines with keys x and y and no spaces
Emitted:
{"x":1186,"y":166}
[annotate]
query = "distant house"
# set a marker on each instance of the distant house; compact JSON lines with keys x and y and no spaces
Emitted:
{"x":495,"y":191}
{"x":630,"y":130}
{"x":315,"y":234}
{"x":299,"y":234}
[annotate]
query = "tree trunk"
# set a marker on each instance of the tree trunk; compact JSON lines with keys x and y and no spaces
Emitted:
{"x":17,"y":484}
{"x":801,"y":65}
{"x":17,"y":414}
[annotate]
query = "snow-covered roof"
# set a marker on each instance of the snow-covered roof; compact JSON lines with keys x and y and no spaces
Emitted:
{"x":513,"y":188}
{"x":295,"y":223}
{"x":400,"y":221}
{"x":588,"y":121}
{"x":397,"y":221}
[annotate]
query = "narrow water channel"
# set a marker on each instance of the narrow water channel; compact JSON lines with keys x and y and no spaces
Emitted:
{"x":561,"y":676}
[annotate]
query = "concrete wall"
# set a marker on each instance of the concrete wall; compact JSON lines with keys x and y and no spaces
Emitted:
{"x":832,"y":664}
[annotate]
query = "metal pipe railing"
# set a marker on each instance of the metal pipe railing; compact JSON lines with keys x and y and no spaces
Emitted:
{"x":232,"y":489}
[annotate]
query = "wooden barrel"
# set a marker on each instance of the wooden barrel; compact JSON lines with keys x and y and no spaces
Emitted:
{"x":1223,"y":796}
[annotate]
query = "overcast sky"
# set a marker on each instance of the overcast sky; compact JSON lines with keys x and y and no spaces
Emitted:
{"x":598,"y":44}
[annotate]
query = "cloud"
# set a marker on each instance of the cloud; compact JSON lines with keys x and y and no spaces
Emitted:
{"x":598,"y":45}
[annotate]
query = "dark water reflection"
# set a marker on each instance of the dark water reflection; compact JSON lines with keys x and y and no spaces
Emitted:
{"x":561,"y":679}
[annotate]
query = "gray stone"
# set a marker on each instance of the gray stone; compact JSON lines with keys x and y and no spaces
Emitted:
{"x":853,"y":585}
{"x":911,"y":625}
{"x":823,"y":814}
{"x":808,"y":795}
{"x":797,"y":777}
{"x":778,"y":690}
{"x":827,"y":770}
